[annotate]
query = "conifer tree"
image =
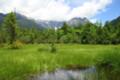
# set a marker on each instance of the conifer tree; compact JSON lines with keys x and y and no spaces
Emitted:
{"x":10,"y":25}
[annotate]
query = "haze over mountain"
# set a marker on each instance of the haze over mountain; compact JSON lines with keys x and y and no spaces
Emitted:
{"x":24,"y":21}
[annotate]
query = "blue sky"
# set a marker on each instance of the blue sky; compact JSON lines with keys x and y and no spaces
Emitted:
{"x":112,"y":12}
{"x":94,"y":10}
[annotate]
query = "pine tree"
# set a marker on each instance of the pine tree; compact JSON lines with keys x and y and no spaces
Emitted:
{"x":65,"y":28}
{"x":10,"y":25}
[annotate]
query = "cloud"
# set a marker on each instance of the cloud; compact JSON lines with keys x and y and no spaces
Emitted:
{"x":93,"y":20}
{"x":55,"y":9}
{"x":90,"y":8}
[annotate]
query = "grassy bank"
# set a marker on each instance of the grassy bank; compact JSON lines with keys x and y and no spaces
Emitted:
{"x":32,"y":59}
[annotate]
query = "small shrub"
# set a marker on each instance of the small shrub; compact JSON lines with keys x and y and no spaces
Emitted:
{"x":2,"y":45}
{"x":42,"y":49}
{"x":16,"y":45}
{"x":53,"y":48}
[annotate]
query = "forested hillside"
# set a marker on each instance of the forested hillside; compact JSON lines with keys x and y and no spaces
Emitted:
{"x":87,"y":33}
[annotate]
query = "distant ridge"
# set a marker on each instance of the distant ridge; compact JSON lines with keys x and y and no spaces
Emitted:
{"x":24,"y":22}
{"x":77,"y":21}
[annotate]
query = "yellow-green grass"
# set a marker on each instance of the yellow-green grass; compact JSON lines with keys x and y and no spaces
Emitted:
{"x":19,"y":64}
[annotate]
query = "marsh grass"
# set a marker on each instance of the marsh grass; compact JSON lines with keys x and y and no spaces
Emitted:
{"x":19,"y":64}
{"x":108,"y":64}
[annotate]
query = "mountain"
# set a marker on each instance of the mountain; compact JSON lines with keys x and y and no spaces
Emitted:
{"x":49,"y":24}
{"x":23,"y":21}
{"x":72,"y":22}
{"x":77,"y":21}
{"x":115,"y":22}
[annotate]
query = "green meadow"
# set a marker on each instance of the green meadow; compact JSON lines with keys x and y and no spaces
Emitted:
{"x":21,"y":64}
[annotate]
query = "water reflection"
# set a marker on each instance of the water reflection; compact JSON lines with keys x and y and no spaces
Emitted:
{"x":61,"y":74}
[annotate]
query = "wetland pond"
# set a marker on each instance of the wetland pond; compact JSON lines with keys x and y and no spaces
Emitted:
{"x":69,"y":74}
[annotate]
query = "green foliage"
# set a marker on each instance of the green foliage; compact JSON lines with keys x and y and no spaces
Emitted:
{"x":22,"y":63}
{"x":16,"y":45}
{"x":9,"y":27}
{"x":108,"y":64}
{"x":65,"y":28}
{"x":1,"y":45}
{"x":88,"y":34}
{"x":53,"y":48}
{"x":83,"y":34}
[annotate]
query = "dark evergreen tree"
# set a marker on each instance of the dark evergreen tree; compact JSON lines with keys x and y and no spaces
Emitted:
{"x":10,"y":26}
{"x":65,"y":28}
{"x":88,"y":34}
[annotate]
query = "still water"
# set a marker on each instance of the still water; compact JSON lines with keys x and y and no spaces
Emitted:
{"x":62,"y":74}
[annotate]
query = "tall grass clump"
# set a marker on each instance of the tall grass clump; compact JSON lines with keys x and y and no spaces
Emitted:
{"x":108,"y":65}
{"x":1,"y":45}
{"x":53,"y":48}
{"x":43,"y":49}
{"x":16,"y":45}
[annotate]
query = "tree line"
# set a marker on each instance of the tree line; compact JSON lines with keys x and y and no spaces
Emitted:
{"x":87,"y":33}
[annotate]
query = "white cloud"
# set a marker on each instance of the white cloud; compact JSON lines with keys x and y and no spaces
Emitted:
{"x":90,"y":8}
{"x":93,"y":20}
{"x":55,"y":9}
